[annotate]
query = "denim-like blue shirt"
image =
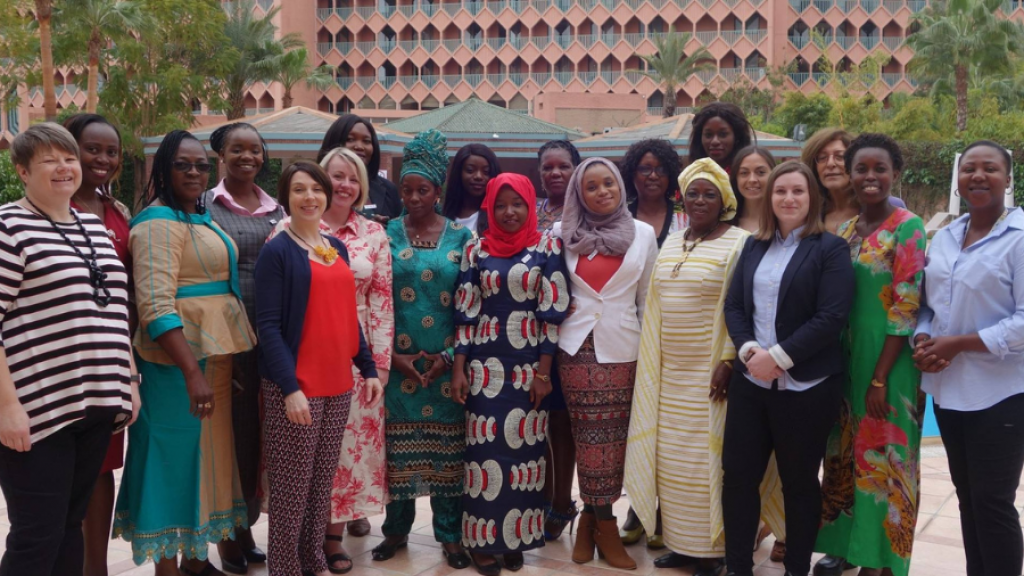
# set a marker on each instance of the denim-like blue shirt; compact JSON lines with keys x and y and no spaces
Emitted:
{"x":976,"y":290}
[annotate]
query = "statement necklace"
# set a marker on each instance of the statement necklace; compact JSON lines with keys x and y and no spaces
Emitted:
{"x":687,"y":250}
{"x":327,"y":254}
{"x":97,"y":277}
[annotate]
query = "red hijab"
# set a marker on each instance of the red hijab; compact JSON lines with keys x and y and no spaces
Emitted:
{"x":496,"y":241}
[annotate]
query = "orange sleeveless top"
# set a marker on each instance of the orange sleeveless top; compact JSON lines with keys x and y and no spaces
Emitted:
{"x":330,"y":332}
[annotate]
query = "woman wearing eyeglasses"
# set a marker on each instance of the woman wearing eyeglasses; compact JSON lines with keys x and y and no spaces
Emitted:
{"x":65,"y":356}
{"x":180,"y":489}
{"x":650,"y":170}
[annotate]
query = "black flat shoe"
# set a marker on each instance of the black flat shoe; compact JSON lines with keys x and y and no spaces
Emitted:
{"x":207,"y":570}
{"x":235,"y":567}
{"x":255,"y":556}
{"x":513,"y":561}
{"x":458,"y":559}
{"x":831,"y":566}
{"x":714,"y":570}
{"x":492,"y":569}
{"x":385,"y":551}
{"x":675,"y":560}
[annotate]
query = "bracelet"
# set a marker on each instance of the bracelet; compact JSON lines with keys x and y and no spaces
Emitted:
{"x":877,"y":384}
{"x":446,"y":355}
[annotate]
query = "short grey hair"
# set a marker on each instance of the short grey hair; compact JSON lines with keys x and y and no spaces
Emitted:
{"x":39,"y":138}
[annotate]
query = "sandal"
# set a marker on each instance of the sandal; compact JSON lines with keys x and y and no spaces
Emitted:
{"x":208,"y":570}
{"x":558,"y":520}
{"x":513,"y":561}
{"x":490,"y":569}
{"x":338,"y":557}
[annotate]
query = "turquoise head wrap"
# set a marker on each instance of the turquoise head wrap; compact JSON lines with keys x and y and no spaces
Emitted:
{"x":426,"y":155}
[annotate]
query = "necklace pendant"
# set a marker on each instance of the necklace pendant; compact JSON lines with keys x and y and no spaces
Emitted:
{"x":328,"y":255}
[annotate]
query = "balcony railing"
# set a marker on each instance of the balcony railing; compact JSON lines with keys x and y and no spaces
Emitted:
{"x":430,"y":80}
{"x":755,"y":73}
{"x":473,"y":80}
{"x":869,"y":42}
{"x":916,"y":5}
{"x":799,"y":41}
{"x":408,"y":81}
{"x":706,"y":76}
{"x":706,"y":38}
{"x":658,"y":111}
{"x":366,"y":47}
{"x":730,"y":74}
{"x":496,"y":79}
{"x":344,"y":82}
{"x":587,"y":77}
{"x":845,"y":42}
{"x":564,"y":78}
{"x":892,"y":78}
{"x":634,"y":76}
{"x":731,"y":36}
{"x":799,"y":78}
{"x":610,"y":76}
{"x":869,"y":6}
{"x":800,"y":5}
{"x":452,"y":80}
{"x":496,"y":43}
{"x":518,"y":78}
{"x":756,"y":36}
{"x":365,"y":12}
{"x":893,"y":43}
{"x":540,"y":78}
{"x":633,"y":39}
{"x":266,"y":110}
{"x":821,"y":78}
{"x":824,"y":6}
{"x":452,"y":44}
{"x":892,"y":6}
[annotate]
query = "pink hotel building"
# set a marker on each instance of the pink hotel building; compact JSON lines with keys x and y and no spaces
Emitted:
{"x":572,"y":62}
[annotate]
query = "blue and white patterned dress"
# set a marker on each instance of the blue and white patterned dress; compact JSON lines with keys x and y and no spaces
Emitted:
{"x":507,"y":315}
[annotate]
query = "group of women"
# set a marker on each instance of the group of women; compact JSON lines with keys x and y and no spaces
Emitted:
{"x":705,"y":338}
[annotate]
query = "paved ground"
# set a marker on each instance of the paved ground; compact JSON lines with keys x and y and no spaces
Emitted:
{"x":938,"y":550}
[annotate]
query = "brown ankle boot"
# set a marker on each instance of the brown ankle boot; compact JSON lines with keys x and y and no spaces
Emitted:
{"x":583,"y":551}
{"x":609,"y":545}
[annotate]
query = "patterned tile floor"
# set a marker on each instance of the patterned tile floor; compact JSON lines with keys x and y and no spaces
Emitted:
{"x":938,"y":550}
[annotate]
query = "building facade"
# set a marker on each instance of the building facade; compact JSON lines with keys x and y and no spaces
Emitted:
{"x":395,"y":58}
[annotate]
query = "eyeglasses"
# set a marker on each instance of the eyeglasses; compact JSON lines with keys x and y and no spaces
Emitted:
{"x":693,"y":196}
{"x":201,"y":167}
{"x":646,"y":171}
{"x":837,"y":157}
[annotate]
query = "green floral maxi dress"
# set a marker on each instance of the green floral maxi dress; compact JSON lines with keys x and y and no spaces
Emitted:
{"x":871,"y":481}
{"x":424,"y":428}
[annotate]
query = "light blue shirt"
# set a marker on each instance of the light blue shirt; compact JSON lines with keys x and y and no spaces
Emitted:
{"x":767,"y":283}
{"x":976,"y":290}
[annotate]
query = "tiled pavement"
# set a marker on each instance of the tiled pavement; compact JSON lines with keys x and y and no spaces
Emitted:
{"x":938,"y":550}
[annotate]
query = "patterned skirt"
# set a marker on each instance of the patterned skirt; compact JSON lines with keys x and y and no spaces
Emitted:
{"x":600,"y":397}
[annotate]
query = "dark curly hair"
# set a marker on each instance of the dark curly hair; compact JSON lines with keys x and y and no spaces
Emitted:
{"x":733,"y":116}
{"x":574,"y":154}
{"x":666,"y":155}
{"x":988,"y":144}
{"x":159,"y":187}
{"x":454,"y":194}
{"x":874,"y":140}
{"x":219,"y":139}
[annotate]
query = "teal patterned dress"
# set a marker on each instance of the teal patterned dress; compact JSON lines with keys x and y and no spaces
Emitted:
{"x":424,"y":428}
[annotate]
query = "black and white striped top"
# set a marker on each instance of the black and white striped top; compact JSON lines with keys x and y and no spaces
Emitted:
{"x":65,"y":352}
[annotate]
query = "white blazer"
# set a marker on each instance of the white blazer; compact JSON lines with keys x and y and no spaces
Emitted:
{"x":614,"y":314}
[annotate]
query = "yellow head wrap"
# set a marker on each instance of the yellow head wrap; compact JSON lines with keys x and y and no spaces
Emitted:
{"x":708,"y":169}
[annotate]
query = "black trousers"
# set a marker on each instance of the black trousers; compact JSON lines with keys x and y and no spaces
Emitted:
{"x":47,"y":491}
{"x":795,"y":425}
{"x":245,"y":421}
{"x":986,"y":455}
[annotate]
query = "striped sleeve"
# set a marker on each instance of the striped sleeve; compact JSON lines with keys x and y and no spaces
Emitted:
{"x":12,"y":270}
{"x":156,"y":246}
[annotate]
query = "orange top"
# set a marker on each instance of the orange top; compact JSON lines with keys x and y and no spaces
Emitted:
{"x":330,"y":332}
{"x":597,"y":272}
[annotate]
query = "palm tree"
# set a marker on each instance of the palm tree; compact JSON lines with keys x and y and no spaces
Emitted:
{"x":254,"y":40}
{"x":957,"y":36}
{"x":95,"y":23}
{"x":670,"y":66}
{"x":290,"y":68}
{"x":44,"y":16}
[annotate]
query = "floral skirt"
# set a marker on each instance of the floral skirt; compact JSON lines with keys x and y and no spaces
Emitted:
{"x":600,"y":397}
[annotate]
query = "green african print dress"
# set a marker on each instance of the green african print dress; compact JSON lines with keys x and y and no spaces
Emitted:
{"x":424,"y":428}
{"x":871,"y":482}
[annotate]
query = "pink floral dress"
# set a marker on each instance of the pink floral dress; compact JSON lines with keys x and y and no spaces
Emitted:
{"x":360,"y":482}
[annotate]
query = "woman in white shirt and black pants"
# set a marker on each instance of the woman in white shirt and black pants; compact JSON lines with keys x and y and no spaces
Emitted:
{"x":970,"y":345}
{"x":787,"y":306}
{"x":610,"y":257}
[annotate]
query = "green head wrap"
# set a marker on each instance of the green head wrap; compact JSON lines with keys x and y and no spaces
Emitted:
{"x":426,"y":155}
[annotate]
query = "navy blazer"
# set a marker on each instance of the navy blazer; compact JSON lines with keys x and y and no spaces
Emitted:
{"x":813,"y":308}
{"x":283,"y":278}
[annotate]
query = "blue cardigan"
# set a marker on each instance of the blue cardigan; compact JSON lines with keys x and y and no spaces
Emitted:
{"x":283,"y":278}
